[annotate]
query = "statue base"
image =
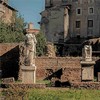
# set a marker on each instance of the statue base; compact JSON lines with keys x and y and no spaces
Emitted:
{"x":87,"y":70}
{"x":28,"y":74}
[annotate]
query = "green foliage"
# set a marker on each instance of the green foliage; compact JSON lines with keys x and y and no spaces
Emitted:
{"x":15,"y":93}
{"x":12,"y":32}
{"x":63,"y":94}
{"x":41,"y":44}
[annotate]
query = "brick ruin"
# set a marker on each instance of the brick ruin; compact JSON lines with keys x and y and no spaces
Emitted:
{"x":61,"y":70}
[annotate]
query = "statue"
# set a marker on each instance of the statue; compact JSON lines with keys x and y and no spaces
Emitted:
{"x":30,"y":44}
{"x":87,"y":53}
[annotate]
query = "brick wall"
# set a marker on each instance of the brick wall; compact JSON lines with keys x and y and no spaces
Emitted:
{"x":9,"y":59}
{"x":58,"y":68}
{"x":6,"y":47}
{"x":86,"y":85}
{"x":61,"y":68}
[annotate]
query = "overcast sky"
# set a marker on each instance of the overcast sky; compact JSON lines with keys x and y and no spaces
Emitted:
{"x":29,"y":9}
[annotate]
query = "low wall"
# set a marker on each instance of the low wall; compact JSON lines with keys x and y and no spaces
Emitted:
{"x":7,"y":47}
{"x":86,"y":85}
{"x":58,"y":68}
{"x":62,"y":68}
{"x":9,"y":59}
{"x":23,"y":86}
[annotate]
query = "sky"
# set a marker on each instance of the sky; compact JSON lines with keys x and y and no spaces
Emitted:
{"x":29,"y":10}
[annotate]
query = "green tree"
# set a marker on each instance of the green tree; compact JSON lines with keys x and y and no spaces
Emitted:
{"x":41,"y":44}
{"x":12,"y":32}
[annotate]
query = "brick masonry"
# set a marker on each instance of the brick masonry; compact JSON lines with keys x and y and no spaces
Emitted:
{"x":18,"y":85}
{"x":9,"y":59}
{"x":58,"y":68}
{"x":86,"y":85}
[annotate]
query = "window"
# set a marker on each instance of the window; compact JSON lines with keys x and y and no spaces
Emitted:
{"x":64,"y":0}
{"x":51,"y":2}
{"x":78,"y":24}
{"x":90,"y":23}
{"x":90,"y":1}
{"x":75,"y":0}
{"x":80,"y":1}
{"x":78,"y":11}
{"x":91,"y":10}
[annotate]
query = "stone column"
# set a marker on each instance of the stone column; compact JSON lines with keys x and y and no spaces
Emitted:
{"x":51,"y":50}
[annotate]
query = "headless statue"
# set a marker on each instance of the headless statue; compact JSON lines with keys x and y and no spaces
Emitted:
{"x":30,"y":43}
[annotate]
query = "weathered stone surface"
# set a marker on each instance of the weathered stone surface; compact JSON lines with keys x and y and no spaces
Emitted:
{"x":9,"y":53}
{"x":21,"y":85}
{"x":86,"y":85}
{"x":87,"y":70}
{"x":50,"y":50}
{"x":87,"y":64}
{"x":60,"y":24}
{"x":67,"y":68}
{"x":9,"y":59}
{"x":87,"y":73}
{"x":8,"y":80}
{"x":87,"y":53}
{"x":28,"y":74}
{"x":98,"y":76}
{"x":30,"y":45}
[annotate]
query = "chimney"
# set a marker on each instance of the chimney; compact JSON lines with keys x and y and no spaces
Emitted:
{"x":30,"y":26}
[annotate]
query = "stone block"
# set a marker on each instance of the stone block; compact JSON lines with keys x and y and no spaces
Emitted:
{"x":98,"y":76}
{"x":87,"y":73}
{"x":8,"y":80}
{"x":87,"y":70}
{"x":28,"y":74}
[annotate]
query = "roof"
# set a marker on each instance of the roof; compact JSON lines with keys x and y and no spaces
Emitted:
{"x":4,"y":3}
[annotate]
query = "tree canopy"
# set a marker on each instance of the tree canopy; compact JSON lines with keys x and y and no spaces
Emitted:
{"x":12,"y":32}
{"x":41,"y":44}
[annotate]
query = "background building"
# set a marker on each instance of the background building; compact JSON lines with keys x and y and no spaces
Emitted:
{"x":6,"y":11}
{"x":65,"y":19}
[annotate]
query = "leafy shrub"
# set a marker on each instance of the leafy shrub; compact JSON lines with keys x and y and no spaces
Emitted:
{"x":41,"y":44}
{"x":15,"y":93}
{"x":12,"y":32}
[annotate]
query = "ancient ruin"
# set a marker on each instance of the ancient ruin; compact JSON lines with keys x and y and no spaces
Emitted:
{"x":51,"y":50}
{"x":87,"y":64}
{"x":28,"y":68}
{"x":63,"y":26}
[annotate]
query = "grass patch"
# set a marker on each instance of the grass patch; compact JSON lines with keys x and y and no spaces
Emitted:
{"x":47,"y":82}
{"x":43,"y":81}
{"x":50,"y":94}
{"x":63,"y":94}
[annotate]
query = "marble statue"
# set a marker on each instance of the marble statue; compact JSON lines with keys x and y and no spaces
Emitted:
{"x":30,"y":43}
{"x":87,"y":53}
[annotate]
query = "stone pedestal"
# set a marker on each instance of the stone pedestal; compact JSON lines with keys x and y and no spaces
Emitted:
{"x":87,"y":70}
{"x":28,"y":74}
{"x":98,"y":76}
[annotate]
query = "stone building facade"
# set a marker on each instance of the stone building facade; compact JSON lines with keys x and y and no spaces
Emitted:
{"x":6,"y":11}
{"x":63,"y":19}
